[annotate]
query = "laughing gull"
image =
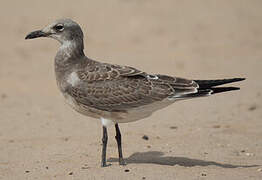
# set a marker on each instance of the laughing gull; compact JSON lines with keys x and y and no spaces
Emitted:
{"x":113,"y":93}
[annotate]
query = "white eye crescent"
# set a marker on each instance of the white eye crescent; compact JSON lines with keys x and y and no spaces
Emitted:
{"x":59,"y":27}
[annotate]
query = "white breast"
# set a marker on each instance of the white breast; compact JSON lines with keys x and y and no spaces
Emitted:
{"x":73,"y":79}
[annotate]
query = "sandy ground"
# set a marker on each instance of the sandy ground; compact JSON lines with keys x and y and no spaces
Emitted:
{"x":219,"y":137}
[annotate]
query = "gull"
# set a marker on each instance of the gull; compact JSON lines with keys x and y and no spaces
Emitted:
{"x":114,"y":93}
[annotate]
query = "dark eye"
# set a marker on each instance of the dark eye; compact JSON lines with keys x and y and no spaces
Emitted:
{"x":59,"y":27}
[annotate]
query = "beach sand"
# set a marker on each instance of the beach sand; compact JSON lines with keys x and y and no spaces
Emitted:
{"x":218,"y":137}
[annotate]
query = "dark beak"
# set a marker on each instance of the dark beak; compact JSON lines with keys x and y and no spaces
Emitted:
{"x":36,"y":34}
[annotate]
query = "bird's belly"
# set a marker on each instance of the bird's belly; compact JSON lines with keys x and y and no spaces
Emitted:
{"x":130,"y":115}
{"x":142,"y":112}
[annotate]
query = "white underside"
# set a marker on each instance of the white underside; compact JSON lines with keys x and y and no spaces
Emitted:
{"x":133,"y":114}
{"x":106,"y":122}
{"x":107,"y":118}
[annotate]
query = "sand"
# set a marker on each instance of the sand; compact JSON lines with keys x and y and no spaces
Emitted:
{"x":218,"y":137}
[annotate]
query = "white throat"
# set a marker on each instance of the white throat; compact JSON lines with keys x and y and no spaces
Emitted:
{"x":67,"y":48}
{"x":66,"y":45}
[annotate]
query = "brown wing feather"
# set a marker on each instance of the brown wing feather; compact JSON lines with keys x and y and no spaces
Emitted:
{"x":94,"y":71}
{"x":119,"y":88}
{"x":119,"y":94}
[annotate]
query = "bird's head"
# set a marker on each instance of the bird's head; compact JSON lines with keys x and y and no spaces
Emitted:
{"x":63,"y":30}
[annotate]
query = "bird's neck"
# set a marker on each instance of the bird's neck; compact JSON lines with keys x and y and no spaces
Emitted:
{"x":70,"y":52}
{"x":72,"y":49}
{"x":68,"y":57}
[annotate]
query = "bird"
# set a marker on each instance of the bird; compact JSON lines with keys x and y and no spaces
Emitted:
{"x":115,"y":93}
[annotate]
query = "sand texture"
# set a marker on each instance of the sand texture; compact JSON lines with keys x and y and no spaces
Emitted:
{"x":213,"y":138}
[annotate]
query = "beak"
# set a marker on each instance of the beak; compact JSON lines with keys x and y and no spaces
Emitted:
{"x":36,"y":34}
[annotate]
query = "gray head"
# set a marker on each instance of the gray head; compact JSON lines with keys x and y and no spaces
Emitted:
{"x":63,"y":30}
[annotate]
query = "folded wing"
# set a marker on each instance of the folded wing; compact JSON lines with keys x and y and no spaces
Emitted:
{"x":119,"y":88}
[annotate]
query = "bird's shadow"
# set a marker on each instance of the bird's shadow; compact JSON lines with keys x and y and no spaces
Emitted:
{"x":157,"y":157}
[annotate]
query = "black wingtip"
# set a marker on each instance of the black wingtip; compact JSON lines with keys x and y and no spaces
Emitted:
{"x":223,"y":89}
{"x":205,"y":84}
{"x":239,"y":79}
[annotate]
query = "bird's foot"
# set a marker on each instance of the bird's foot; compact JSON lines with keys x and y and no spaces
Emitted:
{"x":122,"y":162}
{"x":104,"y":164}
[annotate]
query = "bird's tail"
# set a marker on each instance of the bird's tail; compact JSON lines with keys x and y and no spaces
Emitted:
{"x":208,"y":87}
{"x":205,"y":84}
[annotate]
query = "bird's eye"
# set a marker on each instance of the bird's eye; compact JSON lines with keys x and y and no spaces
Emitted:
{"x":59,"y":27}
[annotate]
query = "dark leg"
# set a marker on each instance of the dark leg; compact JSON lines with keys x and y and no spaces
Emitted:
{"x":118,"y":140}
{"x":104,"y":141}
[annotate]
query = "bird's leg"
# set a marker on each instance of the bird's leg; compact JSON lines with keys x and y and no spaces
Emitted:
{"x":119,"y":145}
{"x":104,"y":141}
